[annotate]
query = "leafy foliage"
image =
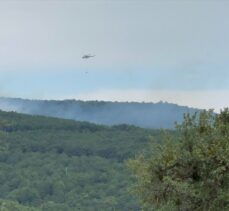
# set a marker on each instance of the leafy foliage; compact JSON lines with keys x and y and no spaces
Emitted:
{"x":189,"y":171}
{"x":52,"y":164}
{"x":6,"y":205}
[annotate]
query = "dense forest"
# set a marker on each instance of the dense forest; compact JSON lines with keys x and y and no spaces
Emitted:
{"x":55,"y":164}
{"x":147,"y":115}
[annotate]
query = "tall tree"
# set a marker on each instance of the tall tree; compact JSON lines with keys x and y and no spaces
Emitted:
{"x":188,"y":171}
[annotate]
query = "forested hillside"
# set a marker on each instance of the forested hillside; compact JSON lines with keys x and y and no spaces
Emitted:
{"x":55,"y":164}
{"x":147,"y":115}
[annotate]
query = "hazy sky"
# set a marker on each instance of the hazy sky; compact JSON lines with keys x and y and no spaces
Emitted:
{"x":175,"y":51}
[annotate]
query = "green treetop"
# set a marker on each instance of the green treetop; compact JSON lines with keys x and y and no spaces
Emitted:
{"x":190,"y":170}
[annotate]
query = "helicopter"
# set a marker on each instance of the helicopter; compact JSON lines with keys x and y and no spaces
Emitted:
{"x":87,"y":56}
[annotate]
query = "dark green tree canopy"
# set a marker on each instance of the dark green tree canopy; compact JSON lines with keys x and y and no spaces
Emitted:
{"x":188,"y":171}
{"x":53,"y":164}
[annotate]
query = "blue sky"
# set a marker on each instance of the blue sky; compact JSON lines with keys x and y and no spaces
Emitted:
{"x":175,"y":51}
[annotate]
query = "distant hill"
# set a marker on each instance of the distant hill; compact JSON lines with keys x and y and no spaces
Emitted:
{"x":147,"y":115}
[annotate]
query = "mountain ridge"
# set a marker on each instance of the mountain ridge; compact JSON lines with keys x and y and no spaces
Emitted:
{"x":141,"y":114}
